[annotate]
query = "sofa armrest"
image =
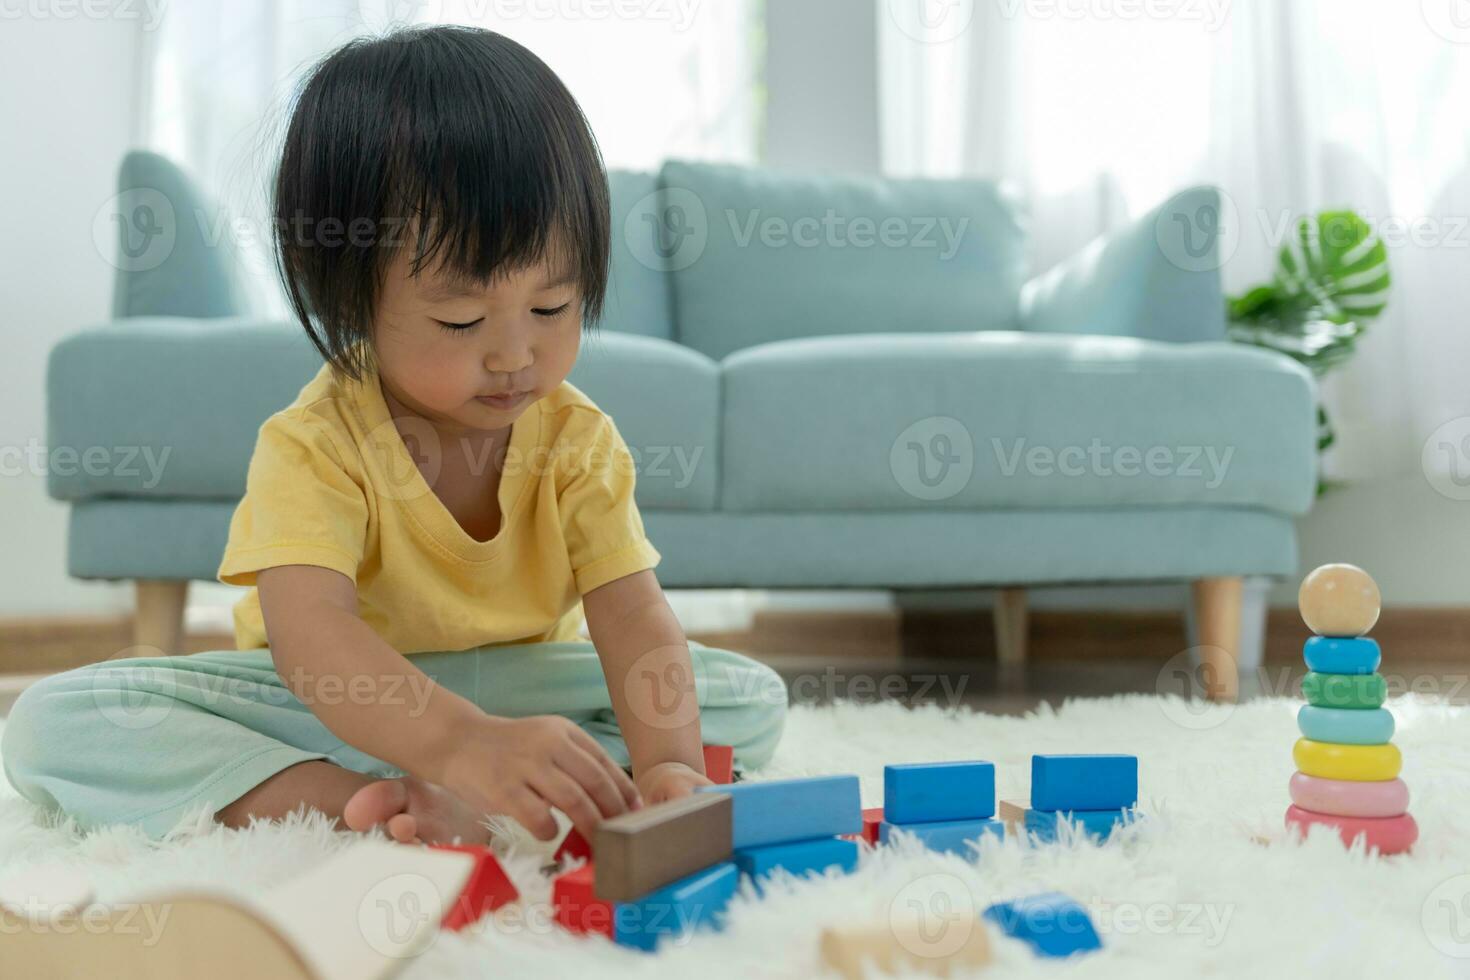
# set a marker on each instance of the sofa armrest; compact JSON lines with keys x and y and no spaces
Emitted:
{"x":1157,"y":279}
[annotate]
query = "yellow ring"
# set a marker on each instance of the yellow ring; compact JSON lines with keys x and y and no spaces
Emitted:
{"x":1358,"y":763}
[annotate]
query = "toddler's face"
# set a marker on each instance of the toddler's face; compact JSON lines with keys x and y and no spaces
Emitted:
{"x":508,"y":344}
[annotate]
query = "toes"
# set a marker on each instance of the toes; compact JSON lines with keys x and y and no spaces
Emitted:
{"x":375,"y":803}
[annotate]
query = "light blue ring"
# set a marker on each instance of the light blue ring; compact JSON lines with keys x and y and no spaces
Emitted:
{"x":1346,"y":726}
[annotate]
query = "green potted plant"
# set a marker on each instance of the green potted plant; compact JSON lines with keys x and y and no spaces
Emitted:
{"x":1331,"y":282}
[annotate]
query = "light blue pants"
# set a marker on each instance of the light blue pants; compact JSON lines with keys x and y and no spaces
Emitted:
{"x":146,"y":740}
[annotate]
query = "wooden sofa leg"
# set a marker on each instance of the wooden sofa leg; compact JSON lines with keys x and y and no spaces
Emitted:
{"x":158,"y":620}
{"x":1217,"y":613}
{"x":1010,"y":628}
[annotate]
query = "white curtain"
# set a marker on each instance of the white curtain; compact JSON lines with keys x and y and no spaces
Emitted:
{"x":657,"y":78}
{"x":1097,"y":110}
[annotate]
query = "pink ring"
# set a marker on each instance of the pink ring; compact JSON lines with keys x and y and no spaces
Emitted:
{"x":1389,"y":835}
{"x":1350,"y":798}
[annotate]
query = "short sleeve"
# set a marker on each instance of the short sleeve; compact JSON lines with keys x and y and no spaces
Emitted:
{"x":600,"y":520}
{"x":303,"y":505}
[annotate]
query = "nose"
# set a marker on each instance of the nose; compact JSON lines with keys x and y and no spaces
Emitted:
{"x":511,"y":353}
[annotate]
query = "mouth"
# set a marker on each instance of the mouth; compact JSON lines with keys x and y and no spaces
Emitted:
{"x":508,"y":400}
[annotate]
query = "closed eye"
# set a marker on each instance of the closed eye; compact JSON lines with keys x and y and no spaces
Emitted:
{"x":452,"y":327}
{"x":549,"y":313}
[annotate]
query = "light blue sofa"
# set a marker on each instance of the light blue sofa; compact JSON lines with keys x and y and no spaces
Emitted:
{"x":830,"y":381}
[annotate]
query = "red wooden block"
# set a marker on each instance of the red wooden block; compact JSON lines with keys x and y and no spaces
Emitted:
{"x":719,"y":764}
{"x":577,"y":908}
{"x":872,"y":822}
{"x":573,"y":845}
{"x":485,"y":890}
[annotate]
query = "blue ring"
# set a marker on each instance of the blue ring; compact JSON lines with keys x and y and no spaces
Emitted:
{"x":1346,"y":726}
{"x":1342,"y":654}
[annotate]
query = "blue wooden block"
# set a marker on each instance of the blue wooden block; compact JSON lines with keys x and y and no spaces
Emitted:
{"x":950,"y":836}
{"x":1051,"y":924}
{"x":1342,"y":654}
{"x":784,"y":810}
{"x":927,"y":792}
{"x":678,"y":908}
{"x":1084,"y":782}
{"x":1095,"y":823}
{"x":799,"y":858}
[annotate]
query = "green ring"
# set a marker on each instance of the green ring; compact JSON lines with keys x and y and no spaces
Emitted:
{"x":1344,"y":690}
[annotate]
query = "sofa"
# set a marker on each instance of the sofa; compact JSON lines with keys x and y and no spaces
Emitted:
{"x":827,"y":380}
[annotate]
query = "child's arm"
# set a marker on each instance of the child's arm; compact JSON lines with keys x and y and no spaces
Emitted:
{"x":377,"y":701}
{"x":645,"y":658}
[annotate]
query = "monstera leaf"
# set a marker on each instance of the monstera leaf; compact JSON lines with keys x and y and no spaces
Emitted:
{"x":1331,"y":281}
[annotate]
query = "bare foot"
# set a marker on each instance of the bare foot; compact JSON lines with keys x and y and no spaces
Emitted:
{"x":414,"y":811}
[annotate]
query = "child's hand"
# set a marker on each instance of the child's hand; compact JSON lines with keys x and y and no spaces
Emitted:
{"x":669,"y":781}
{"x":522,"y":767}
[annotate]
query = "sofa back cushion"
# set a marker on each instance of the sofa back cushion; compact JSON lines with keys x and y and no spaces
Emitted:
{"x":638,"y":298}
{"x":759,"y":255}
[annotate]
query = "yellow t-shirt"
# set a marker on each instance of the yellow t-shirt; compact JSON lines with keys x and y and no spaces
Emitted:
{"x":332,"y":484}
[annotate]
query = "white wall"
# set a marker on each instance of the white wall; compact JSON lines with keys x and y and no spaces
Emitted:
{"x":67,"y":117}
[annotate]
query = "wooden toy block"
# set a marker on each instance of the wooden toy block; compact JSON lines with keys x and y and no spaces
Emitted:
{"x":799,"y":858}
{"x":872,"y":824}
{"x":929,"y":792}
{"x":1051,"y":924}
{"x":646,"y":849}
{"x":678,"y":908}
{"x":487,"y":889}
{"x":949,"y":836}
{"x":361,"y":914}
{"x":1342,"y":655}
{"x":1339,"y":600}
{"x":573,"y":845}
{"x":1084,"y":782}
{"x":1013,"y":815}
{"x":719,"y":764}
{"x":578,"y":908}
{"x":908,"y":945}
{"x":781,"y":810}
{"x":1046,"y":824}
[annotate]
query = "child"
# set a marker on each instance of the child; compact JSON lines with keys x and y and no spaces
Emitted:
{"x":422,"y":526}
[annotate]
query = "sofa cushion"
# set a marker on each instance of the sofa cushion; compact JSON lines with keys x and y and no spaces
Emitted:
{"x":638,"y":299}
{"x":168,"y":407}
{"x":1010,"y":420}
{"x":762,"y":255}
{"x":665,"y":400}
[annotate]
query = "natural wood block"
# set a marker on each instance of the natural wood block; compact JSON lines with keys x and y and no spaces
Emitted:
{"x":904,"y":944}
{"x":646,"y":849}
{"x":1012,"y":813}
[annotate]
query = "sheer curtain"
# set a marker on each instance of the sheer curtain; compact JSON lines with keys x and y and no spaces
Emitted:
{"x":1097,"y":110}
{"x":658,"y":78}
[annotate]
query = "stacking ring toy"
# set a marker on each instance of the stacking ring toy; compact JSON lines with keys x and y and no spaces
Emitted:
{"x":1370,"y":726}
{"x":1389,"y":835}
{"x":1359,"y":763}
{"x":1342,"y":655}
{"x":1345,"y":690}
{"x":1349,"y":798}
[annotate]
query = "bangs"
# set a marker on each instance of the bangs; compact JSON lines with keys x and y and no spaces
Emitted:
{"x":455,"y":144}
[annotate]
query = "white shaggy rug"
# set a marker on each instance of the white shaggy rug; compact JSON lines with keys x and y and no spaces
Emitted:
{"x":1187,"y":893}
